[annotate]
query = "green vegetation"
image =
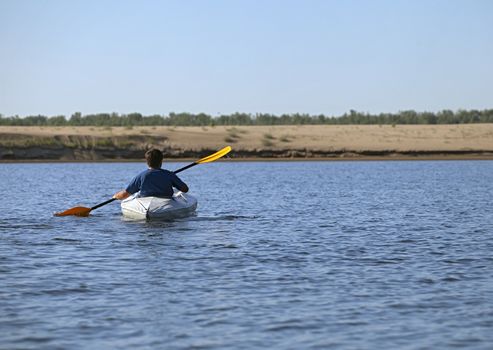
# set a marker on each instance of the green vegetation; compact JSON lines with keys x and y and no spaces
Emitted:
{"x":26,"y":142}
{"x":233,"y":136}
{"x":285,"y":138}
{"x":268,"y":140}
{"x":188,"y":119}
{"x":267,"y":143}
{"x":104,"y":142}
{"x":229,"y":139}
{"x":236,"y":130}
{"x":79,"y":142}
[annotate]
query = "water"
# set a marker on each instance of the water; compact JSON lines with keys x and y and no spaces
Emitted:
{"x":341,"y":255}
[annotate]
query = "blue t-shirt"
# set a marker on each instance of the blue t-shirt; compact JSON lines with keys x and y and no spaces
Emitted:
{"x":156,"y":183}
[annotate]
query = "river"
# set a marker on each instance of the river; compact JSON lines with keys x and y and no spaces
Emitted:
{"x":280,"y":255}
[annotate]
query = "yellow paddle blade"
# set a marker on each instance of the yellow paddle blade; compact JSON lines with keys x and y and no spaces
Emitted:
{"x":215,"y":156}
{"x":77,"y":211}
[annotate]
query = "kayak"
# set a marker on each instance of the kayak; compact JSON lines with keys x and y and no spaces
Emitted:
{"x":181,"y":205}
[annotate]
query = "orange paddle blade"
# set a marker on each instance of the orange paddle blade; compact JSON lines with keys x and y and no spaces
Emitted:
{"x":77,"y":211}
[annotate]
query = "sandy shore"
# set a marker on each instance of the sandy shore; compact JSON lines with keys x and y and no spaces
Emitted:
{"x":250,"y":142}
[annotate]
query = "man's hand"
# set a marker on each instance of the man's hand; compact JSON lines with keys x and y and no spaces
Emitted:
{"x":121,"y":195}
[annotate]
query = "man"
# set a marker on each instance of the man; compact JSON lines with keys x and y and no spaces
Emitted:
{"x":154,"y":181}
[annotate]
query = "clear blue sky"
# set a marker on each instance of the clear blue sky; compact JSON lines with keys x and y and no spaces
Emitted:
{"x":59,"y":57}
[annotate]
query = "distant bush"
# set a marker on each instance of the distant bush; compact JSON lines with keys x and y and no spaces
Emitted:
{"x":234,"y":135}
{"x":230,"y":139}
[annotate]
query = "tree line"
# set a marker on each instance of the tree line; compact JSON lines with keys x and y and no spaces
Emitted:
{"x":202,"y":119}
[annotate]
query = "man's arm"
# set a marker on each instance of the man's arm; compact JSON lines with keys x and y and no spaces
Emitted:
{"x":121,"y":195}
{"x":132,"y":188}
{"x":177,"y":183}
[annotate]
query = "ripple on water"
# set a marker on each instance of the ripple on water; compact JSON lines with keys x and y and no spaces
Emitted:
{"x":378,"y":255}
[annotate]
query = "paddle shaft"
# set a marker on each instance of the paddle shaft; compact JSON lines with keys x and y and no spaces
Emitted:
{"x":104,"y":203}
{"x":185,"y":167}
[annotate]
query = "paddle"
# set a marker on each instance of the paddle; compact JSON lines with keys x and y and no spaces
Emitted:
{"x":83,"y":211}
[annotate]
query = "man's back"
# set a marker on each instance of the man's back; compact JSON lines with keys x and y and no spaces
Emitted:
{"x":156,"y":182}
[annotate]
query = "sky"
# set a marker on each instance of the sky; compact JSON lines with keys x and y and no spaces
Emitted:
{"x":252,"y":56}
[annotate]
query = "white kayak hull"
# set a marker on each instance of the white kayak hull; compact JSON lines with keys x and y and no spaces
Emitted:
{"x":181,"y":205}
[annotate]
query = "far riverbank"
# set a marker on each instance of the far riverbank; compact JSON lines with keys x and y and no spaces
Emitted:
{"x":292,"y":142}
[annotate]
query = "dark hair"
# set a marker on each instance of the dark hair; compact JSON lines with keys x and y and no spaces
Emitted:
{"x":154,"y":158}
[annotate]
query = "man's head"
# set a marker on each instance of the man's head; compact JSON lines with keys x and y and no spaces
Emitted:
{"x":154,"y":158}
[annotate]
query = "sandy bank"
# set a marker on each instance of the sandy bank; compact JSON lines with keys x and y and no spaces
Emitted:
{"x":250,"y":142}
